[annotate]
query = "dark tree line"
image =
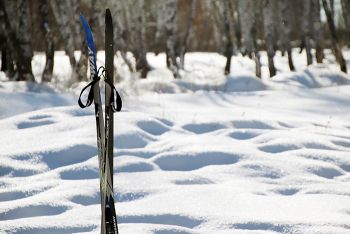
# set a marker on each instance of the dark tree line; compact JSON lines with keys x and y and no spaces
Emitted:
{"x":172,"y":26}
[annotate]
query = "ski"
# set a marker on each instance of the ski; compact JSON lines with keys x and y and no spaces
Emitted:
{"x":104,"y":127}
{"x":94,"y":96}
{"x":110,"y":214}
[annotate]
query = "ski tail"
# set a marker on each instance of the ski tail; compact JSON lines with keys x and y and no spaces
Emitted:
{"x":111,"y":217}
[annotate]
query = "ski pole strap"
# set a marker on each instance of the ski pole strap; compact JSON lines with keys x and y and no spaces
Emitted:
{"x":115,"y":100}
{"x":90,"y":98}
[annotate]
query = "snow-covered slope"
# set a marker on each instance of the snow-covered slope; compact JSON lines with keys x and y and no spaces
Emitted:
{"x":272,"y":160}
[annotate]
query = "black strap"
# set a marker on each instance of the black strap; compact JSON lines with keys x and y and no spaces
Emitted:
{"x":90,"y":98}
{"x":115,"y":100}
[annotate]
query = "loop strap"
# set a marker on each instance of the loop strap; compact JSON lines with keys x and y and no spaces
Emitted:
{"x":90,"y":98}
{"x":115,"y":100}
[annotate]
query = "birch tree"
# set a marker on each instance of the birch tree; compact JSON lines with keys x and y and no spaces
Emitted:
{"x":66,"y":13}
{"x":60,"y":9}
{"x":131,"y":25}
{"x":285,"y":35}
{"x":269,"y":9}
{"x":166,"y":24}
{"x":306,"y":27}
{"x":121,"y":35}
{"x":335,"y":41}
{"x":188,"y":33}
{"x":141,"y":51}
{"x":248,"y":16}
{"x":317,"y":30}
{"x":236,"y":22}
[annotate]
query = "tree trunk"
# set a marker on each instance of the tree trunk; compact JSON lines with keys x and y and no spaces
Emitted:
{"x":171,"y":55}
{"x":4,"y":61}
{"x":256,"y":58}
{"x":141,"y":62}
{"x":248,"y":21}
{"x":269,"y":9}
{"x":236,"y":22}
{"x":49,"y":45}
{"x":7,"y":63}
{"x":317,"y":30}
{"x":331,"y":2}
{"x":256,"y":55}
{"x":60,"y":11}
{"x":307,"y":30}
{"x":188,"y":34}
{"x":127,"y":61}
{"x":18,"y":41}
{"x":81,"y":66}
{"x":3,"y":45}
{"x":229,"y":44}
{"x":246,"y":12}
{"x":335,"y":42}
{"x":10,"y":63}
{"x":290,"y":60}
{"x":171,"y":47}
{"x":24,"y":38}
{"x":346,"y":16}
{"x":228,"y":55}
{"x":286,"y":18}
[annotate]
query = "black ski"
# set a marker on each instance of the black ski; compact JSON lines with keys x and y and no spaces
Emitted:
{"x":110,"y":214}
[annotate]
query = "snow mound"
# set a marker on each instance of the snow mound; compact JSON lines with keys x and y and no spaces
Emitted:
{"x":243,"y":84}
{"x":315,"y":76}
{"x":21,"y":97}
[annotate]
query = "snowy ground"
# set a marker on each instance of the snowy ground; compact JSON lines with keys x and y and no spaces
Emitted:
{"x":207,"y":159}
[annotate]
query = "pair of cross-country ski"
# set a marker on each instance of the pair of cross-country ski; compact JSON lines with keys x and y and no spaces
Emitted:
{"x":104,"y":127}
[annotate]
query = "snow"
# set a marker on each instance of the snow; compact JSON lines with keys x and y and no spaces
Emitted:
{"x":204,"y":154}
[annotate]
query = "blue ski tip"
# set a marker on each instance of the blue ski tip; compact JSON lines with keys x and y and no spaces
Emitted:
{"x":91,"y":45}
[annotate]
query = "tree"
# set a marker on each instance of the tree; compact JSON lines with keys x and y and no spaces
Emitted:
{"x":6,"y":60}
{"x":66,"y":13}
{"x":141,"y":50}
{"x":188,"y":33}
{"x":248,"y":16}
{"x":335,"y":41}
{"x":317,"y":30}
{"x":286,"y":18}
{"x":18,"y":37}
{"x":166,"y":20}
{"x":269,"y":11}
{"x":307,"y":26}
{"x":131,"y":32}
{"x":236,"y":22}
{"x":121,"y":34}
{"x":49,"y":44}
{"x":346,"y":15}
{"x":24,"y":40}
{"x":60,"y":9}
